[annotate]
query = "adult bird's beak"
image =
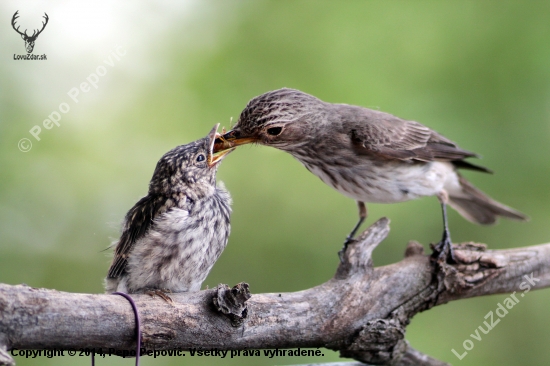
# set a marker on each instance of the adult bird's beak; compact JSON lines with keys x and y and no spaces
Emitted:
{"x":216,"y":155}
{"x":231,"y":140}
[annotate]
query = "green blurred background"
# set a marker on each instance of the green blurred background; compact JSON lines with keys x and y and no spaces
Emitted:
{"x":476,"y":71}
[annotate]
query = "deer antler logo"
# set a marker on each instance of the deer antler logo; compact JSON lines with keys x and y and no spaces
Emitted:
{"x":29,"y":40}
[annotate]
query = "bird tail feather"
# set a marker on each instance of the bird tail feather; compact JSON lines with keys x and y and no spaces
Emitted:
{"x":477,"y":207}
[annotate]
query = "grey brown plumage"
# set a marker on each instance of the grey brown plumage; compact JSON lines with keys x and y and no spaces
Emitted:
{"x":172,"y":237}
{"x":367,"y":155}
{"x":477,"y":207}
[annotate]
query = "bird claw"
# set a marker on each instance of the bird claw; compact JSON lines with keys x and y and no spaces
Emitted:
{"x":443,"y":252}
{"x":342,"y":251}
{"x":162,"y":293}
{"x":341,"y":254}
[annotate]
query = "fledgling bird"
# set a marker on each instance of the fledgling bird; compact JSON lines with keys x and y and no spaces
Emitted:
{"x":172,"y":237}
{"x":368,"y":155}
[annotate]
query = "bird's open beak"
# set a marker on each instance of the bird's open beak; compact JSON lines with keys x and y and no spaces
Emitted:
{"x":215,"y":156}
{"x":231,"y":140}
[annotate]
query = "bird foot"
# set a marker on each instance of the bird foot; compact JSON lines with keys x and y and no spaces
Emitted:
{"x":342,"y":251}
{"x":160,"y":292}
{"x":443,"y":251}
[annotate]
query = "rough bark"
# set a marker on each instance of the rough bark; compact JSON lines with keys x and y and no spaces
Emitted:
{"x":362,"y":311}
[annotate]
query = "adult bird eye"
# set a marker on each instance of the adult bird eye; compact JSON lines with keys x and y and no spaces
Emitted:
{"x":201,"y":157}
{"x":274,"y":131}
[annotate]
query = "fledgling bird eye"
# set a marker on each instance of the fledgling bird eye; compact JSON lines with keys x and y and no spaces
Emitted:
{"x":274,"y":131}
{"x":201,"y":157}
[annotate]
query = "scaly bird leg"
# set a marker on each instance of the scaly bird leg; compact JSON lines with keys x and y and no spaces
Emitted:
{"x":443,"y":251}
{"x":162,"y":293}
{"x":362,"y":216}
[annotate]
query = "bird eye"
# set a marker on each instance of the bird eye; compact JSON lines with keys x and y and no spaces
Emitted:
{"x":274,"y":131}
{"x":201,"y":157}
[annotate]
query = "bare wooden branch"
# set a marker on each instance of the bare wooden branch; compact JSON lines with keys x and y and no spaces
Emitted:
{"x":361,"y":312}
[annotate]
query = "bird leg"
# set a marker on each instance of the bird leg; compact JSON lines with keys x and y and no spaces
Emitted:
{"x":160,"y":292}
{"x":362,"y":216}
{"x":443,"y":251}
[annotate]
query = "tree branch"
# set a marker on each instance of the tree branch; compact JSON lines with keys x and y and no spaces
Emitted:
{"x":361,"y":312}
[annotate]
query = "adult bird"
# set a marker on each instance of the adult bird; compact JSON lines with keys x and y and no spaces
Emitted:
{"x":368,"y":155}
{"x":172,"y":237}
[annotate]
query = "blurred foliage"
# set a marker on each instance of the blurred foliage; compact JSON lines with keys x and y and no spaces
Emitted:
{"x":476,"y":71}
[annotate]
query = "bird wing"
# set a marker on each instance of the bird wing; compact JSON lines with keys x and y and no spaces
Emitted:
{"x":390,"y":137}
{"x":136,"y":223}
